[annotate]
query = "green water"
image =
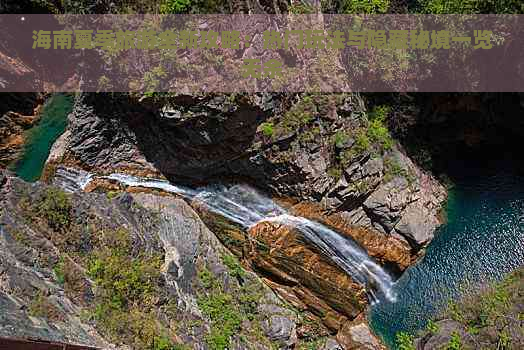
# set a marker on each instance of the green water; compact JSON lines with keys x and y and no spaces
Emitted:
{"x":41,"y":137}
{"x":482,"y":241}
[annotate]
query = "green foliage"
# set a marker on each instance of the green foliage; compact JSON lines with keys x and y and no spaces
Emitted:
{"x":404,"y":341}
{"x":55,"y":207}
{"x":454,"y":343}
{"x":300,"y":8}
{"x":123,"y":279}
{"x":225,"y":318}
{"x":432,"y":327}
{"x":377,"y":131}
{"x":267,"y":128}
{"x":59,"y":271}
{"x":393,"y":169}
{"x":471,"y":6}
{"x":112,"y":194}
{"x":235,"y":269}
{"x":227,"y":310}
{"x":364,"y":6}
{"x":175,"y":6}
{"x":335,"y":172}
{"x":340,"y":138}
{"x":362,"y":143}
{"x":206,"y":278}
{"x":126,"y":287}
{"x":495,"y":311}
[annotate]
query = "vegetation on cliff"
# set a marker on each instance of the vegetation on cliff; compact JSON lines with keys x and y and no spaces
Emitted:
{"x":490,"y":319}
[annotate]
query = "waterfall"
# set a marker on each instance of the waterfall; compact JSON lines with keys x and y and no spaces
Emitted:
{"x":247,"y":207}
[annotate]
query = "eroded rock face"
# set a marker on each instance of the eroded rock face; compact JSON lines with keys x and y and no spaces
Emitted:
{"x":192,"y":271}
{"x":305,"y":276}
{"x":260,"y":139}
{"x":18,"y":112}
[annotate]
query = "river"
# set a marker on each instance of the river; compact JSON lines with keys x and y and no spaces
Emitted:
{"x":482,"y":240}
{"x":41,"y":137}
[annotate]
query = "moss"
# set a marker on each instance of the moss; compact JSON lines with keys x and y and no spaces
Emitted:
{"x":454,"y":343}
{"x":235,"y":269}
{"x":228,"y":309}
{"x":225,"y":318}
{"x":55,"y":207}
{"x":206,"y":278}
{"x":340,"y":138}
{"x":335,"y":172}
{"x":112,"y":194}
{"x":432,"y":327}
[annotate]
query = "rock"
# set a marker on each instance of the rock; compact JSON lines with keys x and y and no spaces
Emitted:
{"x":323,"y":288}
{"x":387,"y":202}
{"x":282,"y":330}
{"x":417,"y":225}
{"x":18,"y":112}
{"x":358,"y":336}
{"x":441,"y":339}
{"x":331,"y":344}
{"x":162,"y":226}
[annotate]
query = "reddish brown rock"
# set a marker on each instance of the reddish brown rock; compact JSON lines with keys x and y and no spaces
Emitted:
{"x":279,"y":253}
{"x":386,"y":249}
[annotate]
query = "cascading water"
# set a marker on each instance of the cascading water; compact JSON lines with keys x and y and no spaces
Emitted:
{"x":246,"y":207}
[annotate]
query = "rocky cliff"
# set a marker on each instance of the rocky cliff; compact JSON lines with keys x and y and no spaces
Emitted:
{"x":18,"y":112}
{"x":135,"y":270}
{"x":325,"y":157}
{"x":322,"y":148}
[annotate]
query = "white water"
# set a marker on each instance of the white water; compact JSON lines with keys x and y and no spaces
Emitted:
{"x":246,"y":207}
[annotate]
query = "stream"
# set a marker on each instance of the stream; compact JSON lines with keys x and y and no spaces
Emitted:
{"x":482,"y":240}
{"x":40,"y":138}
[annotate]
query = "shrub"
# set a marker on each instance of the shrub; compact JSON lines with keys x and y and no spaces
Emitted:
{"x":206,"y":278}
{"x":55,"y":207}
{"x":365,"y":6}
{"x":175,"y":6}
{"x":340,"y":138}
{"x":404,"y":341}
{"x":454,"y":342}
{"x":126,"y":287}
{"x":377,"y":130}
{"x":362,"y":143}
{"x":267,"y":129}
{"x":59,"y":271}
